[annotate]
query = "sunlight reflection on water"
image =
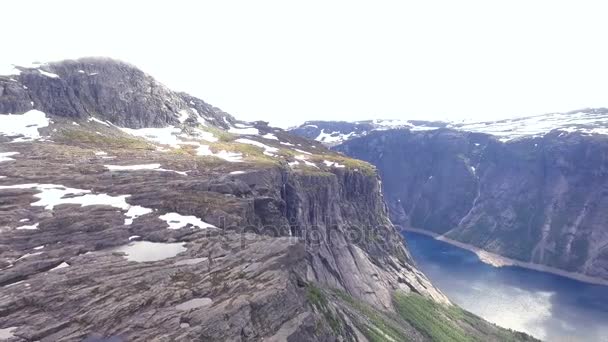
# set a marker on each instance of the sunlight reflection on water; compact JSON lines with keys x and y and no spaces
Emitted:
{"x":544,"y":305}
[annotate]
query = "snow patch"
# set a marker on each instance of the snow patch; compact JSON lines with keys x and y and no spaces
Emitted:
{"x":52,"y":195}
{"x":270,"y":136}
{"x":201,"y":134}
{"x":98,"y":121}
{"x":26,"y":124}
{"x":60,"y":266}
{"x":48,"y":74}
{"x":183,"y":115}
{"x":333,"y":137}
{"x":539,"y":125}
{"x":177,"y":221}
{"x":301,"y":151}
{"x":154,"y":167}
{"x":165,"y":135}
{"x":27,"y":255}
{"x":243,"y":130}
{"x":303,"y":159}
{"x":332,"y":164}
{"x":134,"y":212}
{"x":4,"y":156}
{"x":9,"y":70}
{"x":7,"y":333}
{"x":28,"y":227}
{"x":234,"y":157}
{"x":268,"y":150}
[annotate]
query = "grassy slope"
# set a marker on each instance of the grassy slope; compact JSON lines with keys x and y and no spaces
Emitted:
{"x":417,"y":319}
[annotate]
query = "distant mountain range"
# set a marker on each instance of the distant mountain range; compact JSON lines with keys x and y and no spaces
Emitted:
{"x":534,"y":189}
{"x":587,"y":121}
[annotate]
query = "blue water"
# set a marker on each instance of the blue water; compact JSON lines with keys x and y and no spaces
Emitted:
{"x":544,"y":305}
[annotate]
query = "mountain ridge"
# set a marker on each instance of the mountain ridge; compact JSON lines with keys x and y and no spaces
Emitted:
{"x":587,"y":121}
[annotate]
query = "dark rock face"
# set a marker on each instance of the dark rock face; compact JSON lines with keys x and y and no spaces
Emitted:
{"x":102,"y":88}
{"x":540,"y":200}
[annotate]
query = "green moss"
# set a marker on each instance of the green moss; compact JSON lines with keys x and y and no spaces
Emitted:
{"x":313,"y":172}
{"x":220,"y":134}
{"x":251,"y":153}
{"x":318,"y":300}
{"x":447,"y":323}
{"x":92,"y":139}
{"x":184,"y":150}
{"x":430,"y":318}
{"x":415,"y":313}
{"x":380,"y":327}
{"x":350,"y":163}
{"x":316,"y":297}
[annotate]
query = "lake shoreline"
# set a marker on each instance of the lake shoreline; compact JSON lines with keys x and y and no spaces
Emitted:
{"x":501,"y":261}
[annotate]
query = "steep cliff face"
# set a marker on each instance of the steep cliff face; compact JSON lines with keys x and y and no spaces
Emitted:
{"x":539,"y":200}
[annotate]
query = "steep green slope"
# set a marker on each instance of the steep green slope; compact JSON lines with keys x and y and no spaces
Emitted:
{"x":415,"y":319}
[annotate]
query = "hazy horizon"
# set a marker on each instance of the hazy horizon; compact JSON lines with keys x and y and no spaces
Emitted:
{"x":290,"y":63}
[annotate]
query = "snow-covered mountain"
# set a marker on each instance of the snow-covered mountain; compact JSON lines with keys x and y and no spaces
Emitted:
{"x":585,"y":121}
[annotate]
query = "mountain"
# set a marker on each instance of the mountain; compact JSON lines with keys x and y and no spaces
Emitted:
{"x":130,"y":212}
{"x":530,"y":189}
{"x":586,"y":121}
{"x":332,"y":133}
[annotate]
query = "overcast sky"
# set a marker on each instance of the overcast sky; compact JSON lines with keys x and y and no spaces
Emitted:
{"x":287,"y":61}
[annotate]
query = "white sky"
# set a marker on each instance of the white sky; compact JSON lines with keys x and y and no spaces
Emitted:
{"x":287,"y":61}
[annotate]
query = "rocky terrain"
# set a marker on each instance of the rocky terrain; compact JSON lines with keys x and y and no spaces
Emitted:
{"x":536,"y":194}
{"x":129,"y":212}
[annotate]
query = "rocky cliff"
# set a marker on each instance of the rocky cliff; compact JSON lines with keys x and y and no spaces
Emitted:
{"x":535,"y":199}
{"x":129,"y":212}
